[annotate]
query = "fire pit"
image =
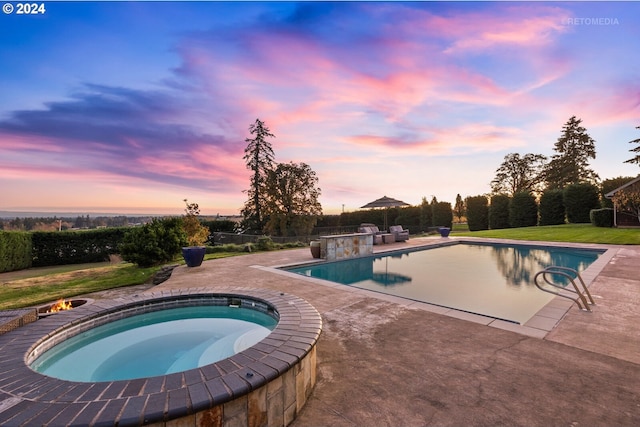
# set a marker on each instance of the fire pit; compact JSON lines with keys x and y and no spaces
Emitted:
{"x":61,"y":305}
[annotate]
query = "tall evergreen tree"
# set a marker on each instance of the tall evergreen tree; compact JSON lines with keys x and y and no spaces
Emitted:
{"x":259,"y":158}
{"x":636,"y":150}
{"x":570,"y":165}
{"x":458,"y":209}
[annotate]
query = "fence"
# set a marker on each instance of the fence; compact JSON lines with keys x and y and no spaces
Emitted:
{"x":221,"y":238}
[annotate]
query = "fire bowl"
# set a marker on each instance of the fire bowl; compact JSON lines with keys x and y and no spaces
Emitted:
{"x":45,"y":310}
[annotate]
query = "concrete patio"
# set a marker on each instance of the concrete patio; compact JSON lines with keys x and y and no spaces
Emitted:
{"x":383,"y":362}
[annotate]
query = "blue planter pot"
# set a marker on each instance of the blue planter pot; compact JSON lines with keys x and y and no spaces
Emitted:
{"x":193,"y":255}
{"x":444,"y":231}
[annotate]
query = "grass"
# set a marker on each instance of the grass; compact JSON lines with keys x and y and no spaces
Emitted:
{"x":37,"y":286}
{"x":575,"y":233}
{"x":41,"y":289}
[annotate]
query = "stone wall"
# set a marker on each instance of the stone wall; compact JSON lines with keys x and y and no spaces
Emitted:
{"x":275,"y":404}
{"x":343,"y":246}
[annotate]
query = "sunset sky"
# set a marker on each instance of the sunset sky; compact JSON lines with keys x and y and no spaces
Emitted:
{"x":131,"y":107}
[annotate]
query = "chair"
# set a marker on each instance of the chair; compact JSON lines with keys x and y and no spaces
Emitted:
{"x":401,"y":234}
{"x":372,"y":229}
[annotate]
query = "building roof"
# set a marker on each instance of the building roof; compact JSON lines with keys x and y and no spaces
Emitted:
{"x":622,"y":187}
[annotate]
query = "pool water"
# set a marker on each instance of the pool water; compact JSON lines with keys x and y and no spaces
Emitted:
{"x":494,"y":280}
{"x":156,"y":343}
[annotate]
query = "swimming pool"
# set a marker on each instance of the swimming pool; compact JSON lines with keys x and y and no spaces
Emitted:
{"x":494,"y":280}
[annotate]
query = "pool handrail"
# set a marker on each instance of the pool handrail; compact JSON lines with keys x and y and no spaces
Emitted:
{"x":564,"y":272}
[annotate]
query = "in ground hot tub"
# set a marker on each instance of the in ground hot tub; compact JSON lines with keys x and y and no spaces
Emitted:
{"x":265,"y":382}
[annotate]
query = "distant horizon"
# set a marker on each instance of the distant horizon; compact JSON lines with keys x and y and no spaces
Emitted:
{"x":135,"y":106}
{"x":9,"y":214}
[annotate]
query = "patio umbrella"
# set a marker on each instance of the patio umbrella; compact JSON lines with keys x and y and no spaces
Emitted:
{"x":385,"y":202}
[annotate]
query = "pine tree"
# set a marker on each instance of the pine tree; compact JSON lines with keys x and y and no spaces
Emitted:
{"x":458,"y":209}
{"x":636,"y":150}
{"x":571,"y":165}
{"x":259,"y":158}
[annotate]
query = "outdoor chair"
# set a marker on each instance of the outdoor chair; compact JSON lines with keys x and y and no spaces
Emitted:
{"x":400,"y":234}
{"x":372,"y":229}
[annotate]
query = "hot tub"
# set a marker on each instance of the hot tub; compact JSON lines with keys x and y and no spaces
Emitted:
{"x":264,"y":384}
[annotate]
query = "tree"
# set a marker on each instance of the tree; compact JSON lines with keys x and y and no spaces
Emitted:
{"x":608,"y":185}
{"x":570,"y":165}
{"x":259,"y":158}
{"x":458,"y":209}
{"x":291,"y":199}
{"x":517,"y":174}
{"x":636,"y":150}
{"x":628,"y":200}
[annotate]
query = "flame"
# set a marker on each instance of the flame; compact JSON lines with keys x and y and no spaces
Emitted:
{"x":60,"y":306}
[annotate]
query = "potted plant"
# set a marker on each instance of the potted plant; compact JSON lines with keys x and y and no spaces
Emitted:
{"x":197,"y":235}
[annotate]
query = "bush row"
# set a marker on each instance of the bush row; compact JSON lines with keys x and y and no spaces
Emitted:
{"x":574,"y":204}
{"x":75,"y":247}
{"x":416,"y":219}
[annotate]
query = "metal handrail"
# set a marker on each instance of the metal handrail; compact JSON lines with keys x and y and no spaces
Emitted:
{"x":564,"y":272}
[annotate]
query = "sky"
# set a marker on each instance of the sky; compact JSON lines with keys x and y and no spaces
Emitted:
{"x":131,"y":107}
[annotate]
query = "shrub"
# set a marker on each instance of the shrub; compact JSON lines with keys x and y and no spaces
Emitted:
{"x":477,"y":213}
{"x":499,"y":212}
{"x":264,"y":243}
{"x":552,"y":208}
{"x":154,"y":243}
{"x":15,"y":250}
{"x":442,"y":214}
{"x":602,"y":217}
{"x":578,"y":200}
{"x":523,"y":210}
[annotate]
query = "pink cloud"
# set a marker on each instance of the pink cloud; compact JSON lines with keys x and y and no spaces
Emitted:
{"x":467,"y":138}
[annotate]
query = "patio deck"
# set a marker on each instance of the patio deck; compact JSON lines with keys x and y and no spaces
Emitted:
{"x":382,"y":361}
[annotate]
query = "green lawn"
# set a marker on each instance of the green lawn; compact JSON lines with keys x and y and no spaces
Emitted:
{"x":37,"y":286}
{"x":576,"y":233}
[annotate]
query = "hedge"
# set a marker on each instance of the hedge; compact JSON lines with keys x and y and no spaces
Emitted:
{"x":579,"y":200}
{"x":477,"y":213}
{"x":602,"y":217}
{"x":15,"y":250}
{"x":442,"y":214}
{"x":75,"y":247}
{"x":523,"y":210}
{"x":552,"y":208}
{"x":499,"y":212}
